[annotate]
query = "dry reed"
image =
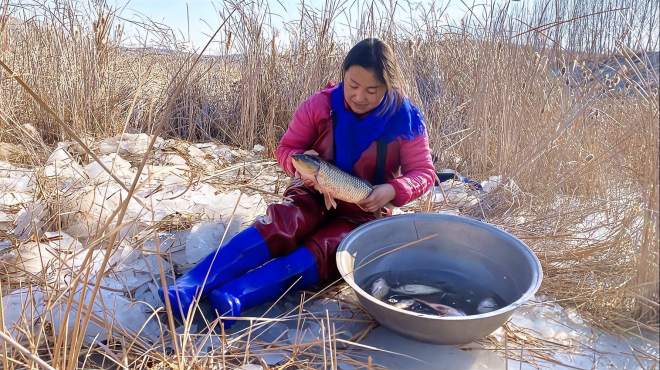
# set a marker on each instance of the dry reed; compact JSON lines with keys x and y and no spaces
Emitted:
{"x":530,"y":93}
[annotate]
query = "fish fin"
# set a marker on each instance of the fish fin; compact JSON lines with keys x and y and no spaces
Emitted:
{"x":329,"y":201}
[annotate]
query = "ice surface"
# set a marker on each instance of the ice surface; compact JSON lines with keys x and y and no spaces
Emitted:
{"x":20,"y":309}
{"x":250,"y":367}
{"x":111,"y":309}
{"x":588,"y":347}
{"x":303,"y":336}
{"x":271,"y":332}
{"x":273,"y":358}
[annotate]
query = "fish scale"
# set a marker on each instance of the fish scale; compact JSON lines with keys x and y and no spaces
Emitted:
{"x":342,"y":185}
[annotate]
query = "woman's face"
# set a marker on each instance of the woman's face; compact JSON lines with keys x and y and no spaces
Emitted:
{"x":362,"y":90}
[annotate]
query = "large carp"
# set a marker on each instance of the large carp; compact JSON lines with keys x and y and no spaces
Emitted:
{"x":333,"y":182}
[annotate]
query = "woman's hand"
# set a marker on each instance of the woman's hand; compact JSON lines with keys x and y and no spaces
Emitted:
{"x":379,"y":197}
{"x":308,"y":180}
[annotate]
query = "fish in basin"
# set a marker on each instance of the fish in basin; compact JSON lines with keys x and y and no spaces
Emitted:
{"x":416,"y":289}
{"x":380,"y":288}
{"x":487,"y":305}
{"x":442,"y":309}
{"x":433,"y":293}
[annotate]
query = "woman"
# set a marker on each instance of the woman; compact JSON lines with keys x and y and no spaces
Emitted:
{"x":367,"y":127}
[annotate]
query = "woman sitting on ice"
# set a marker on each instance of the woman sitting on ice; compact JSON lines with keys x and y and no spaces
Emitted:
{"x":366,"y":126}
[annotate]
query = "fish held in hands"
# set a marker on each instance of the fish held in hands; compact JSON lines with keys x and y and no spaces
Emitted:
{"x":331,"y":181}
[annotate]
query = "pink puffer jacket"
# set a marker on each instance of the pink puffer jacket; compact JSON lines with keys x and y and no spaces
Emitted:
{"x":408,"y":165}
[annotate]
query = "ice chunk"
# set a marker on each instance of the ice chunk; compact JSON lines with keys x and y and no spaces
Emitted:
{"x":207,"y":344}
{"x":271,"y":332}
{"x":454,"y":193}
{"x":499,"y":334}
{"x":132,"y":269}
{"x":110,"y":310}
{"x":31,"y":220}
{"x":148,"y":293}
{"x":86,"y":211}
{"x":249,"y":206}
{"x":205,"y":238}
{"x":5,"y":221}
{"x":174,"y":159}
{"x":202,"y":200}
{"x":166,"y":176}
{"x":16,"y":180}
{"x":36,"y":257}
{"x":218,"y":152}
{"x":119,"y":167}
{"x":169,"y":242}
{"x":196,"y":153}
{"x":75,"y":262}
{"x":258,"y":148}
{"x":224,"y":154}
{"x":21,"y":307}
{"x":574,"y":316}
{"x":32,"y":257}
{"x":9,"y":170}
{"x":61,"y":164}
{"x":133,"y":144}
{"x":10,"y":199}
{"x":273,"y":358}
{"x":304,"y":336}
{"x":491,"y":184}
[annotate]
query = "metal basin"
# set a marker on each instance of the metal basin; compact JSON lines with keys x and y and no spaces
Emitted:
{"x":478,"y":251}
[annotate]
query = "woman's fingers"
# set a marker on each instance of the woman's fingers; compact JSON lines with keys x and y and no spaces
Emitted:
{"x":369,"y":204}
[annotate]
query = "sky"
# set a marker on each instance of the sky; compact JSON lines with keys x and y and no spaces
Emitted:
{"x":195,"y":20}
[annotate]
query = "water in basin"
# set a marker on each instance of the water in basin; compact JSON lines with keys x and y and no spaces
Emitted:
{"x":432,"y":291}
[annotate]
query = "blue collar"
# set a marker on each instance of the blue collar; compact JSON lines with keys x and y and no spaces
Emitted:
{"x":353,"y":134}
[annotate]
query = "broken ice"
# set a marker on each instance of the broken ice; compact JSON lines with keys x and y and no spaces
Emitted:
{"x":21,"y":308}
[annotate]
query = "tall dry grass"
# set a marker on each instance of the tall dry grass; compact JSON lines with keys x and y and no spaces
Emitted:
{"x":509,"y":91}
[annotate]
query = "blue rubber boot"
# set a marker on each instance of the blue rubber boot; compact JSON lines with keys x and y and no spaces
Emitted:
{"x":245,"y":251}
{"x":265,"y":283}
